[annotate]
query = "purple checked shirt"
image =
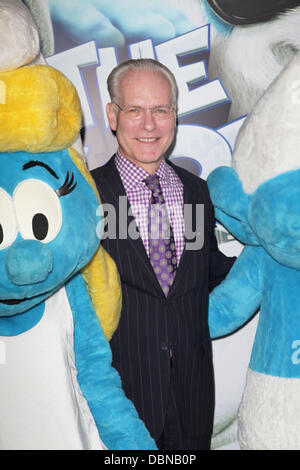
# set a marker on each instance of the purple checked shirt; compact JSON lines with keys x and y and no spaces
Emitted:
{"x":139,"y":197}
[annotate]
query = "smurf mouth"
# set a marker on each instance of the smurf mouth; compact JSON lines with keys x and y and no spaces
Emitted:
{"x":26,"y":301}
{"x":12,"y":301}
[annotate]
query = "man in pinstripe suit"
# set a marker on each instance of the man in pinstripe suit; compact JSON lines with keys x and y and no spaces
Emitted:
{"x":162,"y":347}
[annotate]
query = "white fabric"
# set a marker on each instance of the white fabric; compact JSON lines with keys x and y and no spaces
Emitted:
{"x":269,"y":139}
{"x":41,"y":404}
{"x":269,"y":414}
{"x":19,"y":36}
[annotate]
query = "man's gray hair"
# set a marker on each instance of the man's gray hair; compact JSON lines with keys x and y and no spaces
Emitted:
{"x":118,"y":72}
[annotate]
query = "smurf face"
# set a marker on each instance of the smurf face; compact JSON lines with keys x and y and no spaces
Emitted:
{"x":47,"y":226}
{"x":274,"y":215}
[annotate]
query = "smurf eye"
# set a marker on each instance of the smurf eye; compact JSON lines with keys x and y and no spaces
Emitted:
{"x":8,"y":224}
{"x":38,"y":210}
{"x":40,"y":226}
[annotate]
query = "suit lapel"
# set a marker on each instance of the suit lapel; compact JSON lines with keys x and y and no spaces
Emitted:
{"x":189,"y":200}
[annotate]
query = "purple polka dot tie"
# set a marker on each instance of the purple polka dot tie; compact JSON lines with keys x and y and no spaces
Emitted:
{"x":162,"y":248}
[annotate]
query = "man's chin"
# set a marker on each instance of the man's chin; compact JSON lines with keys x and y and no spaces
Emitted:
{"x":150,"y":160}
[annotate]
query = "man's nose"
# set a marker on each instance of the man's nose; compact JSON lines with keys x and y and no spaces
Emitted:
{"x":148,"y":121}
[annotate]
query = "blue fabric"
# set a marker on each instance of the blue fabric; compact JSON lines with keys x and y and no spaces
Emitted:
{"x":115,"y":416}
{"x":16,"y":324}
{"x":231,"y":203}
{"x":266,"y":276}
{"x":45,"y":267}
{"x":37,"y":268}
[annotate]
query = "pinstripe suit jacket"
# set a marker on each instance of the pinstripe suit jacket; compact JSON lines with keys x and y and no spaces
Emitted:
{"x":152,"y":324}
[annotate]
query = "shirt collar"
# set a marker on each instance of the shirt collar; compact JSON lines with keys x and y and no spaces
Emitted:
{"x":133,"y":175}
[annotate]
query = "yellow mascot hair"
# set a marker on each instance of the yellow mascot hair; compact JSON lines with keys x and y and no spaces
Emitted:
{"x":40,"y":112}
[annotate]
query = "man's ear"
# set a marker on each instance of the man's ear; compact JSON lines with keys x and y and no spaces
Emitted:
{"x":111,"y":116}
{"x":175,"y":114}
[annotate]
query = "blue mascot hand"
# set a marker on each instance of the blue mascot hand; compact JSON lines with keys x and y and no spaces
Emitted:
{"x":114,"y":23}
{"x":236,"y":299}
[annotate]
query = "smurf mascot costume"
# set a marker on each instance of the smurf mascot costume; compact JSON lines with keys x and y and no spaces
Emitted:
{"x":58,"y":389}
{"x":258,"y":200}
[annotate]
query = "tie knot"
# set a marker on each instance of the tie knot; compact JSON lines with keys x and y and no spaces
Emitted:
{"x":153,"y":184}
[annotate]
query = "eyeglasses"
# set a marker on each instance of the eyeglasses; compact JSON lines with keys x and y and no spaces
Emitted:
{"x":137,"y":112}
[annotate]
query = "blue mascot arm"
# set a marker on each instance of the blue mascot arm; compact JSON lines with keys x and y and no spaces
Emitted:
{"x":115,"y":416}
{"x":236,"y":300}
